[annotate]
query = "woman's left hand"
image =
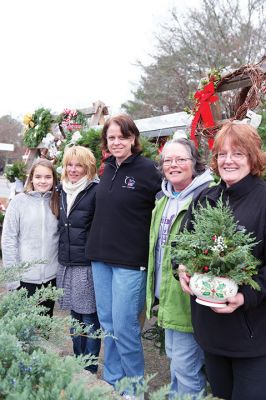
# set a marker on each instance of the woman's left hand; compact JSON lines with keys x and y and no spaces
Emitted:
{"x":232,"y":304}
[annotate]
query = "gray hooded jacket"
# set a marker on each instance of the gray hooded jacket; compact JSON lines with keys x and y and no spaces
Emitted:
{"x":30,"y":233}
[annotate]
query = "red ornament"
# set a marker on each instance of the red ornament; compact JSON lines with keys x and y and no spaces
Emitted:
{"x":205,"y":251}
{"x":214,"y":238}
{"x":205,"y":268}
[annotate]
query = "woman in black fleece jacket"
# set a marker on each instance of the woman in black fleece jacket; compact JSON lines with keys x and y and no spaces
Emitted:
{"x":233,"y":337}
{"x":118,"y":246}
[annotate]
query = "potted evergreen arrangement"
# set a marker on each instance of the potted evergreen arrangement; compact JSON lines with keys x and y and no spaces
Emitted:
{"x":17,"y":170}
{"x":217,"y":254}
{"x":16,"y":174}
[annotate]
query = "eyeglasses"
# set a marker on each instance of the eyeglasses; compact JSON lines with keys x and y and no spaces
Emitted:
{"x":236,"y":156}
{"x":179,"y":161}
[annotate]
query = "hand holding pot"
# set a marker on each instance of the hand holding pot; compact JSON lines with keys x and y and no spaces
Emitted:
{"x":184,"y":279}
{"x":232,"y":304}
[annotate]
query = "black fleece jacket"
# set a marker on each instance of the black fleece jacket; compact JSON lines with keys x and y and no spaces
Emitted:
{"x":125,"y":198}
{"x":242,"y":333}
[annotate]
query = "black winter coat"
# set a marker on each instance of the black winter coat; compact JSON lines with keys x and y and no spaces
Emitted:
{"x":75,"y":227}
{"x":241,"y":333}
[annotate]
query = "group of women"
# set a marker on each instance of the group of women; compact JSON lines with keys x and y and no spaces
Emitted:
{"x":112,"y":241}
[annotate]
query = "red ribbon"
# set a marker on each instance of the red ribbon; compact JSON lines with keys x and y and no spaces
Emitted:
{"x":204,"y":98}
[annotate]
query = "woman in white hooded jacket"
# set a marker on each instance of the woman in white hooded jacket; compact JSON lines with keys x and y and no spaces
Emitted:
{"x":30,"y":230}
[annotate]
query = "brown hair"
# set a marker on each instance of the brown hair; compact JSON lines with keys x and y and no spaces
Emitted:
{"x":54,"y":202}
{"x":128,"y":128}
{"x":84,"y":156}
{"x":245,"y":138}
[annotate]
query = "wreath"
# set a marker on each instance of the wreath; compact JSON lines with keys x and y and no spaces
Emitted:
{"x":204,"y":124}
{"x":37,"y":126}
{"x":71,"y":120}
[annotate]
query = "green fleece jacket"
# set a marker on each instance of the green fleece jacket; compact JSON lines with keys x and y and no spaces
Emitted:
{"x":174,"y":304}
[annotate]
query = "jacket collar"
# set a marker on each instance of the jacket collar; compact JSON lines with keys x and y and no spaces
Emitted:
{"x":39,"y":195}
{"x":236,"y":191}
{"x":112,"y":160}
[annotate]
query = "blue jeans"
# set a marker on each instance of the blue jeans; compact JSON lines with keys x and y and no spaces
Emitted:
{"x":186,"y":362}
{"x":83,"y":345}
{"x":120,"y":298}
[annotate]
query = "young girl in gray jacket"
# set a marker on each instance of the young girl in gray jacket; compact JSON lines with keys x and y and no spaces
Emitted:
{"x":30,"y":230}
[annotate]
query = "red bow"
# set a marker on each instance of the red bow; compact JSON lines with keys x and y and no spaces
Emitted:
{"x":203,"y":99}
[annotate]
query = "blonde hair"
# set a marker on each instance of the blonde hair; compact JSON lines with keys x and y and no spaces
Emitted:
{"x":84,"y":156}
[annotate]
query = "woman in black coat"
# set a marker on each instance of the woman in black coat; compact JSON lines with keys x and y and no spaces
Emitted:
{"x":233,"y":337}
{"x":77,"y":204}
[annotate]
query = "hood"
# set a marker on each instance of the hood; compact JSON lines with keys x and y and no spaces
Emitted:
{"x":96,"y":179}
{"x":198,"y":181}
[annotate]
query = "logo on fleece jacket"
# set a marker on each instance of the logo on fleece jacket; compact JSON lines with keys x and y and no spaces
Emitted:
{"x":129,"y":183}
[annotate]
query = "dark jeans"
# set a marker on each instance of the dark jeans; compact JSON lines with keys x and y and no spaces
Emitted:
{"x":32,"y":287}
{"x":83,"y":345}
{"x":237,"y":378}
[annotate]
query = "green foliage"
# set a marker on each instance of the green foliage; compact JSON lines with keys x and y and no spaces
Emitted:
{"x":39,"y":375}
{"x":14,"y":273}
{"x":216,"y":246}
{"x":2,"y":217}
{"x":149,"y":149}
{"x":92,"y":138}
{"x":38,"y":127}
{"x":262,"y":127}
{"x":16,"y":170}
{"x":214,"y":75}
{"x":29,"y":370}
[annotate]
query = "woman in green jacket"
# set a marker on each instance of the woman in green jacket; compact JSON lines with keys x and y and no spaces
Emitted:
{"x":185,"y":176}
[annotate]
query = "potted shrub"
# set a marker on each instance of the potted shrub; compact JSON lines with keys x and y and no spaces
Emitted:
{"x":16,"y":174}
{"x":16,"y":171}
{"x":217,"y":254}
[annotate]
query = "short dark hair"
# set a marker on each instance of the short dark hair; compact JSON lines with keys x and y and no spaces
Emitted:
{"x":128,"y":128}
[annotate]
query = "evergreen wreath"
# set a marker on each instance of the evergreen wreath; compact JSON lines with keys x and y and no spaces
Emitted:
{"x":217,"y":246}
{"x":71,"y":120}
{"x":37,"y":127}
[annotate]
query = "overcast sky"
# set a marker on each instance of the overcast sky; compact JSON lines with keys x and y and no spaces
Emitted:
{"x":62,"y":53}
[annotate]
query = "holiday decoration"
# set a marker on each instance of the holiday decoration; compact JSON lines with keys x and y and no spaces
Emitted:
{"x":217,"y":247}
{"x":207,"y":116}
{"x":203,"y":98}
{"x":71,"y":120}
{"x":37,"y":126}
